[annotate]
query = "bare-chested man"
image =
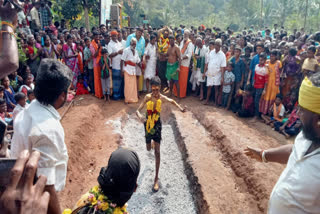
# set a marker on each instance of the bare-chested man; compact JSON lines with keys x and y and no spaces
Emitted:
{"x":163,"y":46}
{"x":173,"y":65}
{"x":152,"y":121}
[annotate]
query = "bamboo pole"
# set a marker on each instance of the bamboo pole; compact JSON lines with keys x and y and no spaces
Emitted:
{"x":70,"y":104}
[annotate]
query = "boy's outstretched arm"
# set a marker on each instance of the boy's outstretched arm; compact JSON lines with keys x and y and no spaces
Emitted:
{"x":172,"y":101}
{"x":145,"y":100}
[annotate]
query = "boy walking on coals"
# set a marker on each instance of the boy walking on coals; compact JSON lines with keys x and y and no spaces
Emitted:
{"x":152,"y":121}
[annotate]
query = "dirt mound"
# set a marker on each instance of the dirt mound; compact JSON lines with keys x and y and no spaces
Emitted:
{"x":230,"y":137}
{"x":89,"y":144}
{"x":211,"y":141}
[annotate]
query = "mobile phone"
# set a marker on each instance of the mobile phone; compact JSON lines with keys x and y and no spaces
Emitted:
{"x":5,"y":170}
{"x":6,"y":166}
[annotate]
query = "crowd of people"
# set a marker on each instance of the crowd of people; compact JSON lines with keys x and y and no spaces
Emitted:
{"x":252,"y":73}
{"x":268,"y":74}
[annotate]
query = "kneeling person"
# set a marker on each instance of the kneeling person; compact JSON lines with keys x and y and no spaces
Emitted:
{"x":152,"y":120}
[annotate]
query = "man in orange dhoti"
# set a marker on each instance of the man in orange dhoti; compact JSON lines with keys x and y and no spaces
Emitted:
{"x":95,"y":49}
{"x":186,"y":54}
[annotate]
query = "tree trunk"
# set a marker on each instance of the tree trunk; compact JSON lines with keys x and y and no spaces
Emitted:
{"x":261,"y":13}
{"x":284,"y":12}
{"x":305,"y":16}
{"x":86,"y":17}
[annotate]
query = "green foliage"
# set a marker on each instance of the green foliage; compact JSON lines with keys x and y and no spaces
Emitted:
{"x":72,"y":10}
{"x":220,"y":13}
{"x":93,"y":21}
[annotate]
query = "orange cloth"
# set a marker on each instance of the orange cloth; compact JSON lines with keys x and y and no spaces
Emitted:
{"x":97,"y":81}
{"x":80,"y":62}
{"x":183,"y":82}
{"x":276,"y":112}
{"x":185,"y":46}
{"x":299,"y":52}
{"x":130,"y":88}
{"x":272,"y":89}
{"x":97,"y":72}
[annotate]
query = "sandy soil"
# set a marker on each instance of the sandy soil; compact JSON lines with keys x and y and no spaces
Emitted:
{"x":240,"y":185}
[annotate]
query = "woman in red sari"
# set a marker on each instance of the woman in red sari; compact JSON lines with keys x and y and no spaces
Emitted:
{"x":71,"y":59}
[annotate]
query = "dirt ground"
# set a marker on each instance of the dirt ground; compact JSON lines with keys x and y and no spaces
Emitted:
{"x":229,"y":182}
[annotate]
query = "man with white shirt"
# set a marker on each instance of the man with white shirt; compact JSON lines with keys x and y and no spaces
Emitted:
{"x":115,"y":51}
{"x":38,"y":127}
{"x":214,"y":70}
{"x":186,"y":48}
{"x":200,"y":53}
{"x":130,"y":61}
{"x":150,"y":59}
{"x":35,"y":20}
{"x":297,"y":190}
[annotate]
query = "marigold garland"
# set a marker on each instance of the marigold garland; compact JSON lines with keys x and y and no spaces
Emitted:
{"x":96,"y":199}
{"x":153,"y":115}
{"x":163,"y":44}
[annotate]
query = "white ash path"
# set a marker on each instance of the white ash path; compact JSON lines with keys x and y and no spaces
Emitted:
{"x":174,"y":195}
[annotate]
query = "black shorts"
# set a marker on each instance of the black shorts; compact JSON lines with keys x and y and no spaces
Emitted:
{"x":156,"y":137}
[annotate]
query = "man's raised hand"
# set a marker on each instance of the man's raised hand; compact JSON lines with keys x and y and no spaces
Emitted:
{"x":253,"y":153}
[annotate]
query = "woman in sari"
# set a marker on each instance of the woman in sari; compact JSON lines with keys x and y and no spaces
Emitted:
{"x":272,"y":88}
{"x":291,"y":70}
{"x":71,"y":59}
{"x":48,"y":49}
{"x":33,"y":55}
{"x":95,"y":48}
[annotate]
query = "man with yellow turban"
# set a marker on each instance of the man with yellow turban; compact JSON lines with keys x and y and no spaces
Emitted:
{"x":297,"y":190}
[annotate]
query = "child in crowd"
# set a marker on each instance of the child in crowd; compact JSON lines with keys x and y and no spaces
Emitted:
{"x":15,"y":81}
{"x":5,"y":116}
{"x":1,"y":92}
{"x":28,"y":84}
{"x":276,"y":112}
{"x":310,"y":65}
{"x":239,"y":68}
{"x":260,"y":82}
{"x":31,"y":96}
{"x":106,"y":75}
{"x":291,"y":127}
{"x":228,"y":85}
{"x":25,"y":71}
{"x":247,"y":107}
{"x":82,"y":86}
{"x":21,"y":104}
{"x":48,"y":49}
{"x":8,"y":94}
{"x":88,"y":63}
{"x":290,"y":101}
{"x":246,"y":58}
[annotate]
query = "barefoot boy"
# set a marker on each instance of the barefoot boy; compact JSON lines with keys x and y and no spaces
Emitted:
{"x":152,"y":120}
